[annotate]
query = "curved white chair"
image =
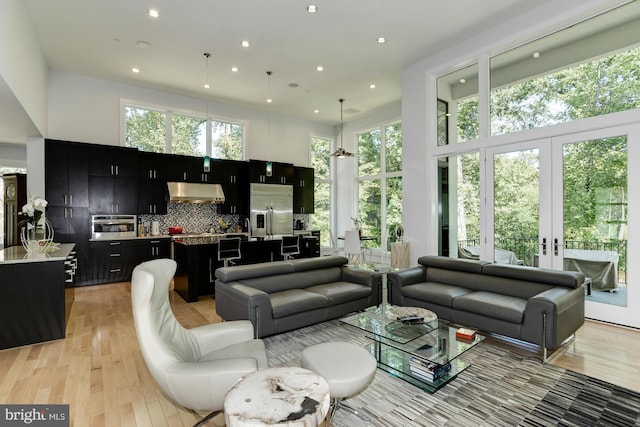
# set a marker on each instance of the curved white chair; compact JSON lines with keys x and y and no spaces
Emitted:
{"x":194,"y":367}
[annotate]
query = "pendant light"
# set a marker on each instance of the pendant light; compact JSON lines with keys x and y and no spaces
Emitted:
{"x":206,"y":84}
{"x":341,"y":153}
{"x":269,"y":100}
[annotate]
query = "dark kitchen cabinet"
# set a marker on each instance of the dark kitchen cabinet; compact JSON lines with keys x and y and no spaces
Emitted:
{"x":277,"y":173}
{"x":149,"y":249}
{"x":113,"y":180}
{"x":72,"y":225}
{"x":303,"y":190}
{"x":187,"y":169}
{"x":232,"y":176}
{"x":113,"y":260}
{"x":105,"y":160}
{"x":67,"y":193}
{"x":66,"y":173}
{"x":152,"y":183}
{"x":113,"y":195}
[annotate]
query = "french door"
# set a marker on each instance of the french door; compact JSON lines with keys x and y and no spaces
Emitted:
{"x":565,"y":203}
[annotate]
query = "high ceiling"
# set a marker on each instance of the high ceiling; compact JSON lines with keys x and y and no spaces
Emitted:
{"x":107,"y":38}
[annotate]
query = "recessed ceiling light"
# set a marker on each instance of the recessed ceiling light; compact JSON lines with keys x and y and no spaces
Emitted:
{"x":462,"y":81}
{"x":381,"y":40}
{"x":207,"y":86}
{"x":536,"y":55}
{"x":372,"y":86}
{"x":312,"y":8}
{"x":135,"y":70}
{"x":293,"y":85}
{"x":245,"y":43}
{"x":319,"y":68}
{"x":143,"y":44}
{"x":316,"y":111}
{"x":234,"y":69}
{"x":269,"y":100}
{"x":153,"y":13}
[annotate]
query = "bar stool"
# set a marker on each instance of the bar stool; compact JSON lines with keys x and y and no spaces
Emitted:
{"x":290,"y":246}
{"x":229,"y":250}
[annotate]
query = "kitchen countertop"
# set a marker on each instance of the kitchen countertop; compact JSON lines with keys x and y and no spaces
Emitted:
{"x":17,"y":254}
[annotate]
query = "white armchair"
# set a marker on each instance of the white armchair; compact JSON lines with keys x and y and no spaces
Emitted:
{"x":194,"y":367}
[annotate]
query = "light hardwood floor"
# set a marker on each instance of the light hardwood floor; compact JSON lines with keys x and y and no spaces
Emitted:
{"x":98,"y":369}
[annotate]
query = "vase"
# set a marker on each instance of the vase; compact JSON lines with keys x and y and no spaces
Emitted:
{"x":38,"y":239}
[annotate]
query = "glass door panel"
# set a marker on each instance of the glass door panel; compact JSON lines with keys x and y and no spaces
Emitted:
{"x":592,"y":218}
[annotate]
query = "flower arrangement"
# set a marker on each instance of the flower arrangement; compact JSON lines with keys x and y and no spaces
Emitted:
{"x":357,"y":223}
{"x":32,"y":212}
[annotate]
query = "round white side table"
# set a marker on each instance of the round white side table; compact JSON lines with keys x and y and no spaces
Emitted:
{"x":287,"y":396}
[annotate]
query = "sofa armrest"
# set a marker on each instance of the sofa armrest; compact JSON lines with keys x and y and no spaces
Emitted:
{"x":235,"y":301}
{"x":397,"y":279}
{"x":564,"y":311}
{"x":368,"y":278}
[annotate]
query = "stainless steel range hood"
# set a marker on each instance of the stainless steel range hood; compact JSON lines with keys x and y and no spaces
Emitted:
{"x":187,"y":192}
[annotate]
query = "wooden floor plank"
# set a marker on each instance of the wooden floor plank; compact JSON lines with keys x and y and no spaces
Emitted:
{"x":99,"y":371}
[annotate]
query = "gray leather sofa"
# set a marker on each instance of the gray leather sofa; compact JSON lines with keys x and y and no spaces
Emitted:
{"x":544,"y":307}
{"x":285,"y":295}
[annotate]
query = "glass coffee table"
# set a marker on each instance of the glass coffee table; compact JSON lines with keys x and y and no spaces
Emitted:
{"x":405,"y":351}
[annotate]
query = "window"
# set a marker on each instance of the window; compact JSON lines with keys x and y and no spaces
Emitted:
{"x":320,"y":161}
{"x":145,"y":129}
{"x":458,"y":116}
{"x":380,"y":182}
{"x":586,"y":70}
{"x":166,"y":132}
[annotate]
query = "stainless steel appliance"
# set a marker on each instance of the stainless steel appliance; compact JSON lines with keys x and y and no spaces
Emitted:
{"x":271,"y":210}
{"x":110,"y":227}
{"x":15,"y":196}
{"x":188,"y":192}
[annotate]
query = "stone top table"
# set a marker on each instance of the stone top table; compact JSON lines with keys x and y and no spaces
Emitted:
{"x":285,"y":396}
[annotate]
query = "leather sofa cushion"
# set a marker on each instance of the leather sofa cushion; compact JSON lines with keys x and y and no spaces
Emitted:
{"x":435,"y":293}
{"x":295,"y":301}
{"x":341,"y":292}
{"x":229,"y":274}
{"x":455,"y":264}
{"x":503,"y":307}
{"x":570,"y":279}
{"x":305,"y":264}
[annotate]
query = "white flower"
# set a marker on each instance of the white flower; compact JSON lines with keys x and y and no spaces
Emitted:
{"x":39,"y":203}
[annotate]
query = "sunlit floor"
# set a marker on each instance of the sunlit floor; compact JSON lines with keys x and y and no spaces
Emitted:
{"x":617,"y":297}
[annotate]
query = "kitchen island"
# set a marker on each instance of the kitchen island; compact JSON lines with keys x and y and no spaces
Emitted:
{"x":34,"y":300}
{"x":197,"y":260}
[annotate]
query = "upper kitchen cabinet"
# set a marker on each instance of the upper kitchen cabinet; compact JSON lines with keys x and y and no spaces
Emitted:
{"x":303,"y":191}
{"x":232,"y":175}
{"x":152,"y":183}
{"x":271,"y":172}
{"x":105,"y":160}
{"x":66,"y":174}
{"x":113,"y":195}
{"x":187,"y":169}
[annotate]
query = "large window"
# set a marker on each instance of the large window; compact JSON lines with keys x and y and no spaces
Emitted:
{"x":380,"y":182}
{"x":321,"y":219}
{"x":167,"y":132}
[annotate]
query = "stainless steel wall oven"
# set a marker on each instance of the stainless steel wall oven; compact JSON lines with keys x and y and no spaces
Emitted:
{"x":109,"y":227}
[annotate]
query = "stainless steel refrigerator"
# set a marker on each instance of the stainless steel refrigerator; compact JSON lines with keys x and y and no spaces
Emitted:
{"x":271,"y":210}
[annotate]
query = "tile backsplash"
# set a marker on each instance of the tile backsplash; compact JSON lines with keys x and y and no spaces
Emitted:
{"x":198,"y":218}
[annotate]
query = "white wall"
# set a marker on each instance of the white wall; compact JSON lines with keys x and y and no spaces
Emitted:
{"x":87,"y":109}
{"x":22,"y":64}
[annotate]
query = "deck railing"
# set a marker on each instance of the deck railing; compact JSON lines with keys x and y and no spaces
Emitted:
{"x":525,"y":249}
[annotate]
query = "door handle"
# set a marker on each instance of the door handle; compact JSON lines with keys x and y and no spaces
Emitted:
{"x":544,"y":245}
{"x":555,"y":247}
